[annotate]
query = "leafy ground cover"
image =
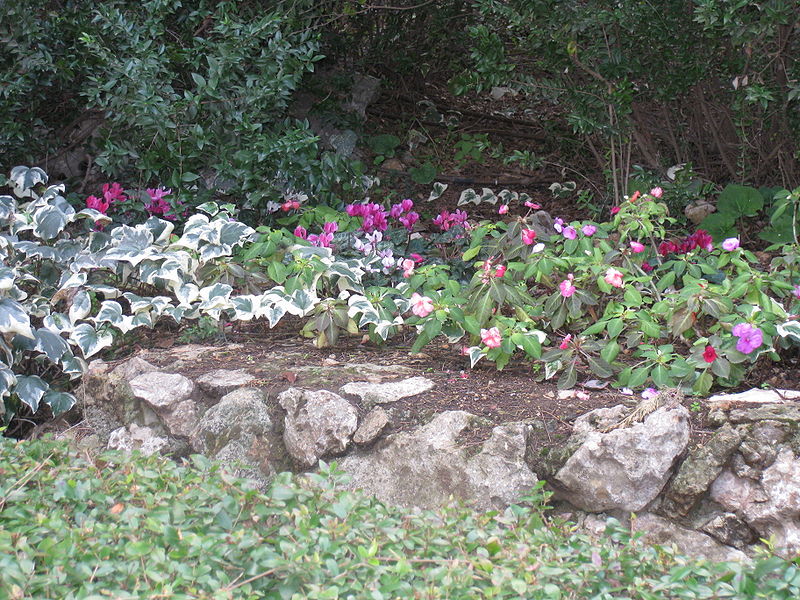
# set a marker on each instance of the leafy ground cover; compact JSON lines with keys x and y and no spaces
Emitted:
{"x":108,"y":526}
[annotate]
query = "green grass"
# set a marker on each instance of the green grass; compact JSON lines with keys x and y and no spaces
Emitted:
{"x":73,"y":526}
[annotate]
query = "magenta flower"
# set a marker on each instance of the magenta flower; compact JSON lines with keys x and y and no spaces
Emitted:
{"x":532,"y":205}
{"x":566,"y":287}
{"x":569,"y":232}
{"x":613,"y":277}
{"x":637,"y":247}
{"x":503,"y":209}
{"x":421,"y":306}
{"x":588,"y":230}
{"x":750,"y":337}
{"x":301,"y":232}
{"x":95,"y":203}
{"x":565,"y":342}
{"x":649,"y":393}
{"x":330,"y":227}
{"x":730,"y":244}
{"x":528,"y":236}
{"x":491,"y":337}
{"x":795,"y":291}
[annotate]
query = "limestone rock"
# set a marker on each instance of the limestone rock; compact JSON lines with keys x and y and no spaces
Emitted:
{"x":427,"y":467}
{"x":663,"y":532}
{"x":162,"y":391}
{"x":222,"y":381}
{"x":238,"y":431}
{"x":381,"y":393}
{"x":701,"y":468}
{"x":182,"y":420}
{"x":698,"y":210}
{"x":761,"y":446}
{"x":730,"y":530}
{"x":787,"y":413}
{"x":625,"y":468}
{"x":130,"y":438}
{"x":317,"y":424}
{"x":753,"y":396}
{"x":542,"y":223}
{"x":371,"y":426}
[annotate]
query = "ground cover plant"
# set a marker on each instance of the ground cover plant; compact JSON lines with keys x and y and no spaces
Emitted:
{"x":133,"y":527}
{"x":618,"y":300}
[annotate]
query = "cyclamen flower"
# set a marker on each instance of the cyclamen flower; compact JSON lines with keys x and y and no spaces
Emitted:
{"x":528,"y":236}
{"x":95,"y":203}
{"x":565,"y":342}
{"x":301,"y":232}
{"x":730,"y":244}
{"x":421,"y":306}
{"x":647,"y":267}
{"x":408,"y":220}
{"x":750,"y":337}
{"x":503,"y":209}
{"x":532,"y":205}
{"x":656,"y":192}
{"x":330,"y":227}
{"x":588,"y":230}
{"x":416,"y":257}
{"x":114,"y":193}
{"x":637,"y":247}
{"x":157,"y":205}
{"x":290,"y":205}
{"x":491,"y":337}
{"x":613,"y":277}
{"x":709,"y":354}
{"x":569,"y":232}
{"x":795,"y":291}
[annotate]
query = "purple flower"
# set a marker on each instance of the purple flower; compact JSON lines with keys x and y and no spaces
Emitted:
{"x":569,"y":232}
{"x":750,"y":337}
{"x":588,"y":230}
{"x":558,"y":225}
{"x":730,"y":244}
{"x":330,"y":227}
{"x":301,"y":232}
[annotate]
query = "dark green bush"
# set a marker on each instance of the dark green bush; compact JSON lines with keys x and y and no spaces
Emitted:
{"x":72,"y":527}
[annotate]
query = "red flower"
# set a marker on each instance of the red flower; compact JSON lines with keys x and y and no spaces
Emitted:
{"x":635,"y":196}
{"x":709,"y":354}
{"x":647,"y":267}
{"x":614,"y":210}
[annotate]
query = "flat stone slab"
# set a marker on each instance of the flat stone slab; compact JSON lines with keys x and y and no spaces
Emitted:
{"x":767,"y":412}
{"x":223,"y":381}
{"x":754,"y":396}
{"x":381,"y":393}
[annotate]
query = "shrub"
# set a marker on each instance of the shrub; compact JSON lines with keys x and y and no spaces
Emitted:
{"x":111,"y":526}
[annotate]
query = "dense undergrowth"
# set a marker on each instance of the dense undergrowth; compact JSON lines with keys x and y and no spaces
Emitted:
{"x":109,"y":526}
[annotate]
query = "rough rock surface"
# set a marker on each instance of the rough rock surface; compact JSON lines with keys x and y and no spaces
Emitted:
{"x":162,"y":391}
{"x":381,"y":393}
{"x":663,"y":532}
{"x":133,"y":437}
{"x":730,"y":530}
{"x":772,"y":506}
{"x":625,"y":468}
{"x":427,"y":467}
{"x":317,"y":424}
{"x":238,"y":430}
{"x":371,"y":426}
{"x":222,"y":381}
{"x":700,"y":469}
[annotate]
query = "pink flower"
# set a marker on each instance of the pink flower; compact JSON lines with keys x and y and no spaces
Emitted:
{"x":569,"y":232}
{"x":566,"y":287}
{"x":491,"y":337}
{"x":647,"y":267}
{"x":730,"y":244}
{"x":330,"y":227}
{"x":613,"y":277}
{"x":750,"y":337}
{"x":614,"y":210}
{"x":656,"y":192}
{"x":565,"y":342}
{"x":157,"y":205}
{"x":407,"y":265}
{"x":649,"y":393}
{"x":113,"y":193}
{"x":500,"y":271}
{"x":637,"y":247}
{"x":558,"y":224}
{"x":421,"y":306}
{"x":795,"y":291}
{"x":588,"y":230}
{"x":95,"y":203}
{"x":532,"y":205}
{"x":301,"y":232}
{"x":408,"y":220}
{"x":503,"y":209}
{"x":417,"y":258}
{"x":528,"y":236}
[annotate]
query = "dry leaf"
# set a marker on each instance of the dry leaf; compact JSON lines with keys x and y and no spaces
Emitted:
{"x":117,"y":508}
{"x":289,"y":376}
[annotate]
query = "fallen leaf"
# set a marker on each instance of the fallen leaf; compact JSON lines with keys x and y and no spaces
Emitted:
{"x":117,"y":508}
{"x":289,"y":376}
{"x":595,"y":384}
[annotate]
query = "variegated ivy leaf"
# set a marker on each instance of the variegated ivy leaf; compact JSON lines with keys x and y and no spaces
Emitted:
{"x":360,"y":305}
{"x":24,"y":178}
{"x":132,"y":245}
{"x":107,"y":291}
{"x":475,"y":353}
{"x":234,"y":233}
{"x":210,"y":208}
{"x":302,"y":302}
{"x":137,"y":302}
{"x":73,"y":366}
{"x":48,"y":222}
{"x":161,"y":229}
{"x":72,"y":280}
{"x":275,"y":312}
{"x":89,"y":340}
{"x":110,"y":312}
{"x":383,"y":328}
{"x":215,"y":297}
{"x":30,"y":389}
{"x":51,"y":344}
{"x":187,"y":293}
{"x":8,"y":206}
{"x":59,"y":402}
{"x":81,"y":306}
{"x":7,"y":277}
{"x":96,"y":216}
{"x":14,"y":318}
{"x":211,"y":251}
{"x":176,"y":312}
{"x":790,"y":329}
{"x":36,"y":250}
{"x":7,"y":380}
{"x":247,"y":307}
{"x":58,"y":322}
{"x":169,"y":270}
{"x":438,"y":190}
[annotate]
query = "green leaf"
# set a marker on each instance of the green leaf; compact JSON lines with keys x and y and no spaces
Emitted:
{"x":471,"y":253}
{"x":59,"y":402}
{"x":632,"y":297}
{"x":568,"y":378}
{"x":740,"y":201}
{"x":610,"y":351}
{"x":599,"y":367}
{"x":615,"y":328}
{"x":30,"y":389}
{"x":89,"y":340}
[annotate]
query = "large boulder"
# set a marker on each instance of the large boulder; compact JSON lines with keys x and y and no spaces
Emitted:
{"x":625,"y":469}
{"x":317,"y":424}
{"x":427,"y":468}
{"x":238,"y":431}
